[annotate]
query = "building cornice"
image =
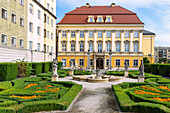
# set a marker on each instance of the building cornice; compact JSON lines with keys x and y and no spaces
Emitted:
{"x":44,"y":8}
{"x":140,"y":25}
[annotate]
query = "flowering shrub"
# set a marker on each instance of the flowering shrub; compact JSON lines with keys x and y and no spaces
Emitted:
{"x":25,"y":97}
{"x":164,"y":87}
{"x":144,"y":92}
{"x":150,"y":88}
{"x":161,"y":99}
{"x":30,"y":85}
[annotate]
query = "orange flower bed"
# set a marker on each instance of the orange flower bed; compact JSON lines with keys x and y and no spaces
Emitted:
{"x":161,"y":99}
{"x":49,"y":90}
{"x":47,"y":86}
{"x":30,"y":85}
{"x":144,"y":92}
{"x":25,"y":97}
{"x":151,"y":89}
{"x":164,"y":87}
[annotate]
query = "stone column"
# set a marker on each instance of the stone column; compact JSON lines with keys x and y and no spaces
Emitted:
{"x":77,"y":41}
{"x":88,"y":61}
{"x":59,"y":41}
{"x":104,"y":62}
{"x":140,"y":40}
{"x":122,"y":41}
{"x":131,"y":41}
{"x":104,"y":38}
{"x":86,"y":39}
{"x":113,"y":41}
{"x":68,"y":41}
{"x":95,"y":41}
{"x":94,"y":62}
{"x":110,"y":60}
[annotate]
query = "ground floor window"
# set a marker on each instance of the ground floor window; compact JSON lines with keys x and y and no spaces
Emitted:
{"x":91,"y":62}
{"x":107,"y":62}
{"x":126,"y":60}
{"x":81,"y":62}
{"x":135,"y":63}
{"x":64,"y":62}
{"x":73,"y":62}
{"x":117,"y":62}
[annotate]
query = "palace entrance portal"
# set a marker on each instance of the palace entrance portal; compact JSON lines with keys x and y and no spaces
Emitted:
{"x":99,"y":63}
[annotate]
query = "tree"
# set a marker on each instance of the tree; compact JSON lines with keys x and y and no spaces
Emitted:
{"x":163,"y":60}
{"x":145,"y":60}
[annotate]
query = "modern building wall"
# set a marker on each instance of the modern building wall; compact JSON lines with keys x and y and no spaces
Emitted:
{"x":11,"y":26}
{"x":162,"y":52}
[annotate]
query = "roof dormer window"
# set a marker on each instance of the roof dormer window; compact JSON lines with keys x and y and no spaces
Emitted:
{"x":100,"y":19}
{"x":91,"y":19}
{"x":108,"y":19}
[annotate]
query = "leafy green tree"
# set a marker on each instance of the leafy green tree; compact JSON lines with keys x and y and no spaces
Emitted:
{"x":163,"y":60}
{"x":145,"y":60}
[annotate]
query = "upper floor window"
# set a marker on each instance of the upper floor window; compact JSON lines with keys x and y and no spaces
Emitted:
{"x":51,"y":36}
{"x":48,"y":6}
{"x":39,"y":14}
{"x":13,"y":18}
{"x":48,"y":20}
{"x":108,"y":19}
{"x":108,"y":34}
{"x":51,"y":49}
{"x":63,"y":47}
{"x":91,"y":19}
{"x":4,"y":13}
{"x":51,"y":23}
{"x":126,"y":34}
{"x":47,"y":48}
{"x":117,"y":34}
{"x":72,"y":47}
{"x":73,"y":34}
{"x":21,"y":22}
{"x":51,"y":9}
{"x":48,"y":34}
{"x":100,"y":34}
{"x":38,"y":30}
{"x":136,"y":34}
{"x":21,"y":42}
{"x":91,"y":47}
{"x":22,"y":2}
{"x":99,"y":19}
{"x":31,"y":8}
{"x":99,"y":48}
{"x":81,"y":47}
{"x":82,"y":34}
{"x":4,"y":39}
{"x":108,"y":47}
{"x":90,"y":34}
{"x":31,"y":27}
{"x":126,"y":47}
{"x":64,"y":33}
{"x":135,"y":48}
{"x":30,"y":45}
{"x":117,"y":47}
{"x":38,"y":46}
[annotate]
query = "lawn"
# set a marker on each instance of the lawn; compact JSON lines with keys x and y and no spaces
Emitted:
{"x":148,"y":97}
{"x":36,"y":94}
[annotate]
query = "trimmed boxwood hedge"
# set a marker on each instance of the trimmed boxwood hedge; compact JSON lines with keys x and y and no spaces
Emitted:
{"x":82,"y":72}
{"x":164,"y":69}
{"x":8,"y":71}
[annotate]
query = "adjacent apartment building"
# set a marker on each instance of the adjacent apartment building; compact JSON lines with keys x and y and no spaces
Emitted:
{"x":13,"y":30}
{"x":162,"y":52}
{"x":103,"y":30}
{"x":28,"y":30}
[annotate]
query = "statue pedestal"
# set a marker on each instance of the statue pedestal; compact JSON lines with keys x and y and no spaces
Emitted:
{"x":126,"y":74}
{"x":141,"y":79}
{"x":88,"y":69}
{"x":55,"y":77}
{"x":71,"y":73}
{"x":98,"y":77}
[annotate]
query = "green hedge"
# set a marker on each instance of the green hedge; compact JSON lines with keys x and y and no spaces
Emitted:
{"x":82,"y":72}
{"x":8,"y":71}
{"x":159,"y":69}
{"x":164,"y":69}
{"x":38,"y":68}
{"x":60,"y":64}
{"x":46,"y":67}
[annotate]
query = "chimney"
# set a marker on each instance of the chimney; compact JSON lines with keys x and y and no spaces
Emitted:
{"x":112,"y":5}
{"x":87,"y":5}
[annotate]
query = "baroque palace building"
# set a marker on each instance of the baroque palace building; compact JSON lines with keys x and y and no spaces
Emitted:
{"x":28,"y":30}
{"x":103,"y":30}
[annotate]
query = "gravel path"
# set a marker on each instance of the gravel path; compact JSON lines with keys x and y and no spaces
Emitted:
{"x":95,"y":97}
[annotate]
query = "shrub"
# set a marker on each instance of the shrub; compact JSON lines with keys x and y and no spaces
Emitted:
{"x":155,"y":68}
{"x":8,"y":71}
{"x":147,"y":68}
{"x":46,"y":67}
{"x":82,"y":72}
{"x":164,"y":69}
{"x":60,"y":64}
{"x":37,"y":67}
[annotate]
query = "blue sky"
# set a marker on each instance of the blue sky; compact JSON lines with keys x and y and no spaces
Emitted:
{"x":154,"y":13}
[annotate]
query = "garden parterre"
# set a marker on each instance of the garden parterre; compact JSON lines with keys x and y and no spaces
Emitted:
{"x":36,"y":94}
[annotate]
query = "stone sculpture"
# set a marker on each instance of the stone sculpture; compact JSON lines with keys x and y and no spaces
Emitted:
{"x":55,"y":74}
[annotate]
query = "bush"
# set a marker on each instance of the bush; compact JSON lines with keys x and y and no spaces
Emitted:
{"x":155,"y":69}
{"x":37,"y":67}
{"x":164,"y":69}
{"x":82,"y":72}
{"x":60,"y":64}
{"x":147,"y":68}
{"x":46,"y":67}
{"x":8,"y":71}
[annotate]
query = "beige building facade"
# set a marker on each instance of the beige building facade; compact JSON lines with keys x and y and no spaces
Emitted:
{"x":162,"y":52}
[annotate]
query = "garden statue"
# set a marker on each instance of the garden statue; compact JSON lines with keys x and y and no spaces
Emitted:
{"x":55,"y":74}
{"x":98,"y":73}
{"x":71,"y":71}
{"x":126,"y":69}
{"x":118,"y":69}
{"x":76,"y":65}
{"x":141,"y":77}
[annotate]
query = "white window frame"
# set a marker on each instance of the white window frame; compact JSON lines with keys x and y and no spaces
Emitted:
{"x":31,"y":27}
{"x":73,"y":62}
{"x":81,"y":62}
{"x":109,"y":34}
{"x":91,"y":47}
{"x":127,"y":47}
{"x":108,"y":47}
{"x":107,"y":62}
{"x":52,"y":35}
{"x":30,"y":45}
{"x":5,"y":39}
{"x":91,"y":34}
{"x":31,"y":7}
{"x":100,"y":34}
{"x":38,"y":46}
{"x":100,"y":48}
{"x":64,"y":47}
{"x":38,"y":30}
{"x":64,"y":62}
{"x":116,"y":62}
{"x":22,"y":22}
{"x":51,"y":23}
{"x":108,"y":19}
{"x":128,"y":62}
{"x":39,"y":14}
{"x":91,"y":62}
{"x":13,"y":17}
{"x":127,"y":34}
{"x":64,"y":34}
{"x":117,"y":48}
{"x":13,"y":43}
{"x":136,"y":34}
{"x":99,"y":19}
{"x":72,"y":47}
{"x":48,"y":34}
{"x":81,"y":47}
{"x":21,"y":43}
{"x":91,"y":19}
{"x":136,"y":47}
{"x":135,"y":62}
{"x":5,"y":13}
{"x":81,"y":34}
{"x":73,"y":34}
{"x":117,"y":34}
{"x":22,"y":2}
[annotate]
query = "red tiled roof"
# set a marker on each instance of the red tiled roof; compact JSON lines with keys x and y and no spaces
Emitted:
{"x":119,"y":15}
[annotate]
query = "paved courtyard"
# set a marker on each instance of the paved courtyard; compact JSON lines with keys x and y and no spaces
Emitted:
{"x":95,"y":97}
